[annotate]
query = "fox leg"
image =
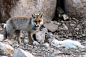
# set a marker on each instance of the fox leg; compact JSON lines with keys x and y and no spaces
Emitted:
{"x":9,"y":34}
{"x":18,"y":36}
{"x":30,"y":39}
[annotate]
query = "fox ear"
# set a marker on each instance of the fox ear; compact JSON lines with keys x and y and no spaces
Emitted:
{"x":41,"y":15}
{"x":33,"y":15}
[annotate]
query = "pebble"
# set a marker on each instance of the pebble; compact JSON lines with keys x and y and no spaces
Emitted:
{"x":77,"y":29}
{"x":46,"y":45}
{"x":65,"y":27}
{"x":26,"y":40}
{"x":83,"y":35}
{"x":72,"y":25}
{"x":35,"y":43}
{"x":69,"y":34}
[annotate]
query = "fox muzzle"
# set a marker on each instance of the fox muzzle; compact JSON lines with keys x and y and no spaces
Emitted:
{"x":36,"y":25}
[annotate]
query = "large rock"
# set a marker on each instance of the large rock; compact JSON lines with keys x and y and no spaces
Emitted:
{"x":6,"y":49}
{"x":50,"y":26}
{"x":76,"y":8}
{"x":5,"y":8}
{"x":40,"y":36}
{"x":21,"y":53}
{"x":28,"y":7}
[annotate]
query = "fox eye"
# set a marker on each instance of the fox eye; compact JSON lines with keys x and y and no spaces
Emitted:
{"x":35,"y":21}
{"x":39,"y":21}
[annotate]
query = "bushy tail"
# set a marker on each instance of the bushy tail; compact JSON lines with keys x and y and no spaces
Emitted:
{"x":5,"y":33}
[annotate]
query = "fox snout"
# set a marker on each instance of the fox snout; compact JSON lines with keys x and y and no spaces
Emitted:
{"x":36,"y":25}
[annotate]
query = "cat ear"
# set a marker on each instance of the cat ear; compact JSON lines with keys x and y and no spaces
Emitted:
{"x":41,"y":15}
{"x":33,"y":15}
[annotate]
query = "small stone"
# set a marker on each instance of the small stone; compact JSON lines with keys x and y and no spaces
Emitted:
{"x":65,"y":17}
{"x":1,"y":37}
{"x":83,"y":35}
{"x":35,"y":43}
{"x":57,"y":23}
{"x":65,"y":36}
{"x":65,"y":27}
{"x":77,"y":29}
{"x":72,"y":25}
{"x":56,"y":36}
{"x":26,"y":40}
{"x":58,"y":52}
{"x":52,"y":22}
{"x":69,"y":34}
{"x":52,"y":49}
{"x":46,"y":45}
{"x":60,"y":28}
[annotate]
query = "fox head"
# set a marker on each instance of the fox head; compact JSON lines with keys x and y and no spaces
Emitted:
{"x":37,"y":19}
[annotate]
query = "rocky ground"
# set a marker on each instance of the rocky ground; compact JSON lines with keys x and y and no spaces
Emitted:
{"x":69,"y":29}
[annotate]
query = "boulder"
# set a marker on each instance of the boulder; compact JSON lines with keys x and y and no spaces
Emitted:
{"x":76,"y":8}
{"x":5,"y":8}
{"x":51,"y":27}
{"x":21,"y":53}
{"x":6,"y":49}
{"x":28,"y":7}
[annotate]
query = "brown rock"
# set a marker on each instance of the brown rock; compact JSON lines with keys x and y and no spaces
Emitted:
{"x":76,"y":8}
{"x":6,"y":49}
{"x":51,"y":27}
{"x":5,"y":8}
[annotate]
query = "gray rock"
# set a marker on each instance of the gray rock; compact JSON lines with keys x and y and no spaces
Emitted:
{"x":57,"y":23}
{"x":26,"y":40}
{"x":35,"y":43}
{"x":72,"y":25}
{"x":77,"y":29}
{"x":46,"y":45}
{"x":83,"y":35}
{"x":21,"y":53}
{"x":65,"y":27}
{"x":51,"y":27}
{"x":40,"y":36}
